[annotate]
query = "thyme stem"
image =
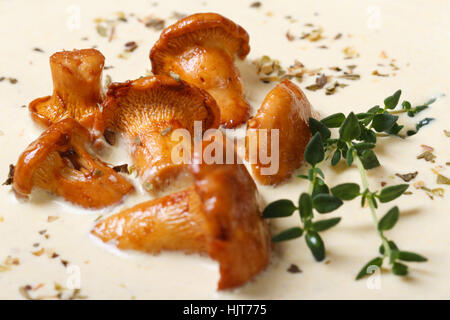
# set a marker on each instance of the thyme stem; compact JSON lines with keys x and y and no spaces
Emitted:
{"x":362,"y":173}
{"x":312,"y":182}
{"x":397,"y":111}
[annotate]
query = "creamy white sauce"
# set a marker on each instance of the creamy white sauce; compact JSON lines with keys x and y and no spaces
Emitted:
{"x":421,"y":47}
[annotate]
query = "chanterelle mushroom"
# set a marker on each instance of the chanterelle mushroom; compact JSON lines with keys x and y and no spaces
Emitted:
{"x":147,"y":111}
{"x":200,"y":49}
{"x":59,"y":162}
{"x":77,"y":90}
{"x":219,"y":215}
{"x":287,"y":109}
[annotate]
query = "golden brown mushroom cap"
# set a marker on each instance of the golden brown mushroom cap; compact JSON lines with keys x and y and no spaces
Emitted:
{"x":287,"y":109}
{"x":59,"y":162}
{"x":77,"y":90}
{"x":219,"y":215}
{"x":200,"y":49}
{"x":147,"y":111}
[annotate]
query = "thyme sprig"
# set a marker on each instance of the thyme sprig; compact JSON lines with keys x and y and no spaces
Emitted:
{"x":355,"y":143}
{"x":316,"y":199}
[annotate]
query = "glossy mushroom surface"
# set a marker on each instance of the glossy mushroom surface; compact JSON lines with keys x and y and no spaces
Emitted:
{"x":286,"y":109}
{"x":171,"y":222}
{"x":201,"y":49}
{"x":219,"y":215}
{"x":59,"y":162}
{"x":147,"y":111}
{"x":77,"y":90}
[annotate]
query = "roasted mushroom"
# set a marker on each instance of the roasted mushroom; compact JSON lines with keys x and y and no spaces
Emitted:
{"x":59,"y":162}
{"x":200,"y":49}
{"x":77,"y":90}
{"x":287,"y":109}
{"x":147,"y":111}
{"x":219,"y":215}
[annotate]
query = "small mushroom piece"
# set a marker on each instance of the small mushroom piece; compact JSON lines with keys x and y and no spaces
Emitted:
{"x":77,"y":90}
{"x":59,"y":162}
{"x":219,"y":215}
{"x":286,"y":109}
{"x":147,"y":111}
{"x":201,"y":49}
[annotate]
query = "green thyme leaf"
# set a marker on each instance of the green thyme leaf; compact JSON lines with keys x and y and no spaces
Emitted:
{"x":393,"y":192}
{"x":288,"y":234}
{"x":314,"y":152}
{"x":374,"y":110}
{"x":364,"y":115}
{"x":399,"y":269}
{"x":411,"y":256}
{"x":319,"y":172}
{"x":349,"y":157}
{"x":326,"y":224}
{"x":311,"y":174}
{"x":325,"y":203}
{"x":414,"y":111}
{"x":389,"y":219}
{"x":384,"y":121}
{"x":396,"y":128}
{"x":392,"y":101}
{"x":317,"y":126}
{"x":364,"y":197}
{"x":350,"y":129}
{"x":406,"y":105}
{"x":370,"y":136}
{"x":372,"y":197}
{"x":316,"y":245}
{"x":334,"y":120}
{"x":363,"y":146}
{"x":369,"y":159}
{"x":320,"y":187}
{"x":346,"y":191}
{"x":419,"y":125}
{"x":305,"y":206}
{"x":279,"y":208}
{"x":336,"y":157}
{"x":370,"y":267}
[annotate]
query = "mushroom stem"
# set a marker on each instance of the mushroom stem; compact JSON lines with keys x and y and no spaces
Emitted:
{"x":168,"y":223}
{"x":77,"y":90}
{"x":77,"y":78}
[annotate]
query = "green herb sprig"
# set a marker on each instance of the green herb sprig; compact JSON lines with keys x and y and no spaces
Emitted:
{"x":317,"y":199}
{"x":355,"y":143}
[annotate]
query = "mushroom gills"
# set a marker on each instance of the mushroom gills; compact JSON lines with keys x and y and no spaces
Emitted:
{"x":59,"y":162}
{"x":147,"y":112}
